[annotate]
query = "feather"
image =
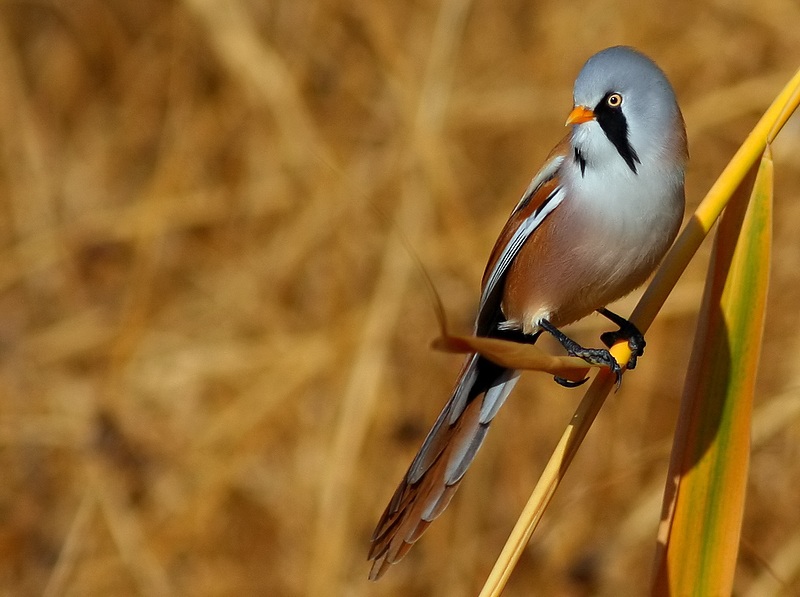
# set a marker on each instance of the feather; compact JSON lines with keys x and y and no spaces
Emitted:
{"x":440,"y":464}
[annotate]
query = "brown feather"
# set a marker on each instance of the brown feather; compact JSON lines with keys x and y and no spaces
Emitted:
{"x":413,"y":507}
{"x":520,"y":213}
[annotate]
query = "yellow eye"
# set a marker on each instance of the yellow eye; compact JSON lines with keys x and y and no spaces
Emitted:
{"x":614,"y":100}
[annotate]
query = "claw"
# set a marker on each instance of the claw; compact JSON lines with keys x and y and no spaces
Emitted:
{"x":627,"y":331}
{"x":568,"y":383}
{"x":608,"y":360}
{"x":618,"y":374}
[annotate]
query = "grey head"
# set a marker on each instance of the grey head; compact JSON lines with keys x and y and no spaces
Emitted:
{"x":630,"y":113}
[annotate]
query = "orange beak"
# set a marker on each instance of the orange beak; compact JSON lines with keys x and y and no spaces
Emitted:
{"x":579,"y":115}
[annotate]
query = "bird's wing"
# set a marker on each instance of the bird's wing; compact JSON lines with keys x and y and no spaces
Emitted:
{"x":543,"y":196}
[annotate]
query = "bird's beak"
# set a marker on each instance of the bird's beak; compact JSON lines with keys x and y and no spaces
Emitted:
{"x":579,"y":114}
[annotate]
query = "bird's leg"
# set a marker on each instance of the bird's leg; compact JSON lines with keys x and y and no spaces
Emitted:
{"x":627,"y":331}
{"x":514,"y":335}
{"x":593,"y":356}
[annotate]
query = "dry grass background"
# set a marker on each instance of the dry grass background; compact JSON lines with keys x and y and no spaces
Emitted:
{"x":215,"y":361}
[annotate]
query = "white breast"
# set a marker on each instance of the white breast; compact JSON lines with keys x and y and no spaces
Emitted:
{"x":621,"y":225}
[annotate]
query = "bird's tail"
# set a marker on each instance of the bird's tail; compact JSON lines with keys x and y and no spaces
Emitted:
{"x":440,"y":464}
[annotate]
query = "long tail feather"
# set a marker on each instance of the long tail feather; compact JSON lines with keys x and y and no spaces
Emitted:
{"x":440,"y":464}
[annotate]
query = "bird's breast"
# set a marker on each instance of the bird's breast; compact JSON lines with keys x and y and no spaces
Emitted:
{"x":600,"y":244}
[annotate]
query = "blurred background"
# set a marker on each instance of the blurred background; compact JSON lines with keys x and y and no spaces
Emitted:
{"x":214,"y":332}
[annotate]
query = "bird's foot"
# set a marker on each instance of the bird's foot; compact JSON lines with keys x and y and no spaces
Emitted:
{"x":627,"y":331}
{"x":594,"y":356}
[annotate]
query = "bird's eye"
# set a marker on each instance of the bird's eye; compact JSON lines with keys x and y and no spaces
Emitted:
{"x":614,"y":100}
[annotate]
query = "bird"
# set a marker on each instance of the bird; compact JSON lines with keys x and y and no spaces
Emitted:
{"x":592,"y":226}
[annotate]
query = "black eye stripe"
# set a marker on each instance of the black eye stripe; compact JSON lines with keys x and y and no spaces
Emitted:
{"x":614,"y":124}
